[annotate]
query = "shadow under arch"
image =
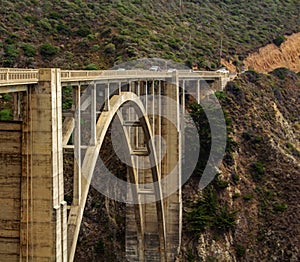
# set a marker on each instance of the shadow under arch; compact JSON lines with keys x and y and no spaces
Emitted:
{"x":88,"y":167}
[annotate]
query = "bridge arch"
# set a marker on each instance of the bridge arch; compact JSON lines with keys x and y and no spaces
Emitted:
{"x":88,"y":167}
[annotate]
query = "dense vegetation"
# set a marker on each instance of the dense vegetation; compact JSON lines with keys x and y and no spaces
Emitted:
{"x":81,"y":33}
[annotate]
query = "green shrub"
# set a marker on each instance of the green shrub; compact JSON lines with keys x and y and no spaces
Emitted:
{"x":69,"y":55}
{"x":279,"y":40}
{"x":11,"y":51}
{"x":248,"y":196}
{"x":190,"y":256}
{"x":109,"y":48}
{"x":207,"y":212}
{"x":257,"y":139}
{"x":230,"y":144}
{"x":224,"y":218}
{"x":95,"y":48}
{"x":99,"y":247}
{"x":281,"y":72}
{"x":221,"y":184}
{"x":235,"y":178}
{"x":91,"y":37}
{"x":55,"y":15}
{"x":220,"y":95}
{"x":67,"y":98}
{"x":12,"y":39}
{"x":63,"y":28}
{"x":5,"y":114}
{"x":29,"y":50}
{"x":48,"y":50}
{"x":236,"y":195}
{"x":83,"y":31}
{"x":257,"y":171}
{"x":45,"y":25}
{"x":211,"y":259}
{"x":240,"y":251}
{"x":7,"y":97}
{"x":91,"y":67}
{"x":280,"y":207}
{"x":68,"y":198}
{"x":67,"y":103}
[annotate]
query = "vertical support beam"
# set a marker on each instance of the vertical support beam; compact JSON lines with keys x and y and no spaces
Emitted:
{"x":64,"y":231}
{"x":146,"y":96}
{"x":61,"y":205}
{"x":179,"y":159}
{"x":153,"y":108}
{"x":159,"y":125}
{"x":183,"y":97}
{"x":93,"y":114}
{"x":42,"y":181}
{"x":17,"y":106}
{"x":120,"y":87}
{"x":77,"y":148}
{"x":106,"y":97}
{"x":198,"y":91}
{"x":138,"y":92}
{"x":171,"y":163}
{"x":182,"y":115}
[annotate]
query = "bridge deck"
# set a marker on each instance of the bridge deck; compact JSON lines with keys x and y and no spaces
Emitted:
{"x":15,"y":80}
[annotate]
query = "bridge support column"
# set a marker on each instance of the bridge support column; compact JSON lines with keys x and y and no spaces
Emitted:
{"x":43,"y":210}
{"x":171,"y":164}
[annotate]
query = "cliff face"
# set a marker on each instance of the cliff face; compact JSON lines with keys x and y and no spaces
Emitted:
{"x":259,"y":175}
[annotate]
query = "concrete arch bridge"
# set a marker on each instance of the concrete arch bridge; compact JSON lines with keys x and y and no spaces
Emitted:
{"x":36,"y":224}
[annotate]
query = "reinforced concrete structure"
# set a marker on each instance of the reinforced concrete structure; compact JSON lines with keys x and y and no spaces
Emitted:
{"x":36,"y":224}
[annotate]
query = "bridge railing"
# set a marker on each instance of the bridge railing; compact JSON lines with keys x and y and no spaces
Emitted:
{"x":204,"y":74}
{"x":9,"y":75}
{"x":79,"y":74}
{"x":71,"y":75}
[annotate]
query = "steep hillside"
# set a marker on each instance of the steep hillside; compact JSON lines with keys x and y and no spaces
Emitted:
{"x":251,"y":211}
{"x":98,"y":34}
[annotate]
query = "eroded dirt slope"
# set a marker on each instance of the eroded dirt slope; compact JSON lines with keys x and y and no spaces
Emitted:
{"x":270,"y":57}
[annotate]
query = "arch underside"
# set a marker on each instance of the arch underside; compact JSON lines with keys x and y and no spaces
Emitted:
{"x":88,"y":167}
